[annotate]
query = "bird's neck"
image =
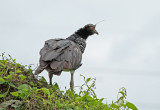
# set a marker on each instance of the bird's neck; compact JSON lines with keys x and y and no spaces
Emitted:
{"x":83,"y":33}
{"x":76,"y":35}
{"x":81,"y":42}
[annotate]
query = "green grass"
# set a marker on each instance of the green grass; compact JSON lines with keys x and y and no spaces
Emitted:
{"x":19,"y":89}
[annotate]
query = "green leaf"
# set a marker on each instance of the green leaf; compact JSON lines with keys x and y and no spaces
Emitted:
{"x":11,"y":84}
{"x":101,"y":100}
{"x":9,"y":77}
{"x":1,"y":64}
{"x":86,"y":106}
{"x":122,"y":93}
{"x":131,"y":106}
{"x":14,"y":93}
{"x":78,"y":99}
{"x":46,"y":91}
{"x":23,"y":86}
{"x":22,"y":77}
{"x":58,"y":103}
{"x":11,"y":72}
{"x":23,"y":94}
{"x":18,"y":65}
{"x":1,"y":95}
{"x":106,"y":108}
{"x":32,"y":84}
{"x":66,"y":102}
{"x":55,"y":86}
{"x":18,"y":71}
{"x":88,"y":79}
{"x":89,"y":98}
{"x":40,"y":83}
{"x":34,"y":89}
{"x":114,"y":106}
{"x":39,"y":97}
{"x":2,"y":80}
{"x":4,"y":94}
{"x":43,"y":79}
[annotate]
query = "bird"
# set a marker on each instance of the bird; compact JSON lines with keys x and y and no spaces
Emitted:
{"x":59,"y":54}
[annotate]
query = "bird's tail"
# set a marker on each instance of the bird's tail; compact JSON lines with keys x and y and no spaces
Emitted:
{"x":38,"y":70}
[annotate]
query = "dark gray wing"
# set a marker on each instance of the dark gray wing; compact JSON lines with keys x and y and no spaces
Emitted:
{"x":60,"y":54}
{"x":53,"y":48}
{"x":70,"y":59}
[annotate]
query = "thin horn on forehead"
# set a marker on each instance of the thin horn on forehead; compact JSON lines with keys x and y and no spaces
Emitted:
{"x":99,"y":22}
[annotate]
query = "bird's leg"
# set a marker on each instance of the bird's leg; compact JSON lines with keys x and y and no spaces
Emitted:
{"x":50,"y":78}
{"x":72,"y":80}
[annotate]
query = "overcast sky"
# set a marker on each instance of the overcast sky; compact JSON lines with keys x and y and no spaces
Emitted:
{"x":124,"y":54}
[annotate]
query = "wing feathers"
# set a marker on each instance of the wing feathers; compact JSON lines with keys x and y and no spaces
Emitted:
{"x":61,"y":54}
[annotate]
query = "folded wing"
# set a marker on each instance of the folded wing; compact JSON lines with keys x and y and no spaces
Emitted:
{"x":60,"y":54}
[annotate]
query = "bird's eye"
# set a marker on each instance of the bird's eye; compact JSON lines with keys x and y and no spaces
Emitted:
{"x":91,"y":28}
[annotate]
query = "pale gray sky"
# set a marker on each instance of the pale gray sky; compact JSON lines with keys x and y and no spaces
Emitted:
{"x":125,"y":53}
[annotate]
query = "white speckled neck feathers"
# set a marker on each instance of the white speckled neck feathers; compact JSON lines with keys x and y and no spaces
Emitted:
{"x":79,"y":41}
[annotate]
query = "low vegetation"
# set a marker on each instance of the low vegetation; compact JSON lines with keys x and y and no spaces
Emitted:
{"x":20,"y":89}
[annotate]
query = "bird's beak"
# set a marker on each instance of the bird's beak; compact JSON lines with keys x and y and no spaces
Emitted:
{"x":96,"y":32}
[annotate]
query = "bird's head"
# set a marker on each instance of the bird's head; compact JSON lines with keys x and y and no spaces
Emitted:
{"x":87,"y":30}
{"x":90,"y":28}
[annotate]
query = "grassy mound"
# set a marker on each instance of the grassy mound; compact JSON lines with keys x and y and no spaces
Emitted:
{"x":19,"y":89}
